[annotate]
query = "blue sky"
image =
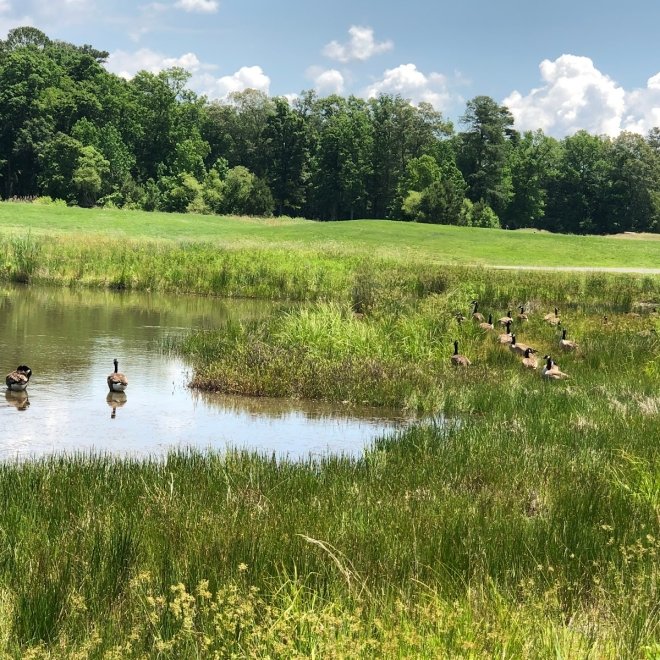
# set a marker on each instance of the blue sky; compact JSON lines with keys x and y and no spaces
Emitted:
{"x":559,"y":66}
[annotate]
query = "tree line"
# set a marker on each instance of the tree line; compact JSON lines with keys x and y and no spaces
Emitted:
{"x":71,"y":130}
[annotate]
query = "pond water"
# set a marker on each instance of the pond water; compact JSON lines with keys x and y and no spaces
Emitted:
{"x":69,"y":339}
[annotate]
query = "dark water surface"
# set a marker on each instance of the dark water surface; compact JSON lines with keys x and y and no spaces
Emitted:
{"x":70,"y":338}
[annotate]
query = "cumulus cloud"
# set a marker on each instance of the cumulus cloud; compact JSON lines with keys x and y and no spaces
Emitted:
{"x":409,"y":82}
{"x":643,"y":107}
{"x":247,"y":77}
{"x":360,"y":46}
{"x":127,"y":64}
{"x":576,"y":95}
{"x":328,"y":81}
{"x":5,"y":7}
{"x":202,"y":81}
{"x":200,"y":6}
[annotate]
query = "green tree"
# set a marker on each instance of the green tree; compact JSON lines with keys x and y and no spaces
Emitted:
{"x":534,"y":163}
{"x":577,"y":199}
{"x":633,"y":202}
{"x":286,"y":150}
{"x":89,"y":176}
{"x":483,"y":152}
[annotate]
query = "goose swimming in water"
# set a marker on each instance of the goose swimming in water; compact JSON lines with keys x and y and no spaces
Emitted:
{"x":18,"y":380}
{"x":117,"y":382}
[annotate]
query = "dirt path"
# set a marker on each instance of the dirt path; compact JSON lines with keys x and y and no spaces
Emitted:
{"x":584,"y":269}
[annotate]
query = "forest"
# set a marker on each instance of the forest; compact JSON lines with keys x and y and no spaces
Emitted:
{"x":72,"y":132}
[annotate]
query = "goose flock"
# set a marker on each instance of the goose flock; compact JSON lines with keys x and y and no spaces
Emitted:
{"x":17,"y":380}
{"x":550,"y":369}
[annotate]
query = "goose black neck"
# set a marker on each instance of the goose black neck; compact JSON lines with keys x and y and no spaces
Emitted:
{"x":455,"y":348}
{"x":116,"y":365}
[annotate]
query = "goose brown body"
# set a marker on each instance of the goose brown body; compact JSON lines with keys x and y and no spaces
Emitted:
{"x":516,"y":347}
{"x":552,"y":370}
{"x":117,"y":382}
{"x":18,"y":380}
{"x":459,"y":360}
{"x":506,"y":319}
{"x":567,"y":344}
{"x":529,"y":361}
{"x":477,"y":316}
{"x":506,"y":337}
{"x":489,"y":325}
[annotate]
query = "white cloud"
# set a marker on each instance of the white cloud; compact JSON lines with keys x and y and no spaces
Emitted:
{"x":127,"y":64}
{"x":361,"y":46}
{"x":202,"y":81}
{"x":643,"y":107}
{"x":5,"y":7}
{"x":409,"y":82}
{"x":201,"y":6}
{"x":575,"y":95}
{"x":247,"y":77}
{"x":328,"y":81}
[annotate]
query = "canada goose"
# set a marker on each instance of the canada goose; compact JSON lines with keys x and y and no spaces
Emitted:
{"x":553,"y":319}
{"x":117,"y":382}
{"x":606,"y":321}
{"x":459,"y":360}
{"x":567,"y":344}
{"x":506,"y":338}
{"x":551,"y":370}
{"x":516,"y":347}
{"x":522,"y":316}
{"x":506,"y":319}
{"x":18,"y":380}
{"x":529,"y":360}
{"x":459,"y":318}
{"x":489,"y":325}
{"x":477,"y":316}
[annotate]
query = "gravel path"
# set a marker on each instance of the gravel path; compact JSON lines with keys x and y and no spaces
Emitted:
{"x":584,"y":269}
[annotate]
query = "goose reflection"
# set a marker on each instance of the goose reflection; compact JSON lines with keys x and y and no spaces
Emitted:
{"x":116,"y":400}
{"x":19,"y":399}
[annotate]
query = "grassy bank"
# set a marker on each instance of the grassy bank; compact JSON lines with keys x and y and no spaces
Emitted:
{"x":438,"y":244}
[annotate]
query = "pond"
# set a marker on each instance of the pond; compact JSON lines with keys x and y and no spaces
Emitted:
{"x":69,"y":339}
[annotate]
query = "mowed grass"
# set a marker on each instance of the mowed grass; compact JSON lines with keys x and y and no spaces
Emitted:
{"x":380,"y":238}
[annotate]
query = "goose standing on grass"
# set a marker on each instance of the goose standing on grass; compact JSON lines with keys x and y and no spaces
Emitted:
{"x":529,"y":360}
{"x":18,"y":380}
{"x":117,"y":382}
{"x":567,"y":344}
{"x":477,"y":316}
{"x":459,"y":360}
{"x":551,"y":370}
{"x":516,"y":347}
{"x":506,"y":319}
{"x":506,"y":338}
{"x":489,"y":325}
{"x":522,"y":316}
{"x":552,"y":319}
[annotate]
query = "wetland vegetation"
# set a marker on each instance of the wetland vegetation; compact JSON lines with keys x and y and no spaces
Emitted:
{"x":528,"y":526}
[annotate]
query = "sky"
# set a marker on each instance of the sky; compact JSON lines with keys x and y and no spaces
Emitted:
{"x":560,"y":66}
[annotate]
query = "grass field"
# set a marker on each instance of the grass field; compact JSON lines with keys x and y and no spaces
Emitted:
{"x":522,"y":520}
{"x":380,"y":238}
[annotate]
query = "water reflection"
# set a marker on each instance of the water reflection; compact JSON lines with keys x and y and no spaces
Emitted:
{"x":19,"y":400}
{"x":116,"y":400}
{"x":70,"y":339}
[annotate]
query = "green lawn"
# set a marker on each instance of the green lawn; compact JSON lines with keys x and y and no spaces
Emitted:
{"x":407,"y":241}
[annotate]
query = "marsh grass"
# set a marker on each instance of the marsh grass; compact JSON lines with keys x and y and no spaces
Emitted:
{"x":528,"y":525}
